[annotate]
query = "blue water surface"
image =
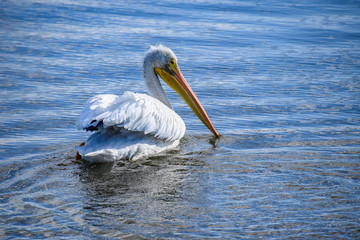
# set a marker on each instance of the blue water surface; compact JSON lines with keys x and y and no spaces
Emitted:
{"x":280,"y":81}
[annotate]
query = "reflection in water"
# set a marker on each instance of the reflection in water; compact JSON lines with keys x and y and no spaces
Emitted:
{"x":220,"y":191}
{"x":145,"y":193}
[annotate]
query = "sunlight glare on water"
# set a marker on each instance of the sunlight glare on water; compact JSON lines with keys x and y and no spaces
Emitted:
{"x":279,"y":80}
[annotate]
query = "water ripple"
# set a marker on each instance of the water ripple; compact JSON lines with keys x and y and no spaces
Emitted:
{"x":280,"y":81}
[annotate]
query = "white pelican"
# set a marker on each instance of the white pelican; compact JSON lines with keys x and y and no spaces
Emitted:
{"x":134,"y":125}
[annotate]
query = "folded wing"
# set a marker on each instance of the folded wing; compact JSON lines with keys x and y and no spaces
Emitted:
{"x":133,"y":112}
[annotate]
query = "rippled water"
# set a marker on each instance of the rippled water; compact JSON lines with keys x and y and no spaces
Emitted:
{"x":279,"y":79}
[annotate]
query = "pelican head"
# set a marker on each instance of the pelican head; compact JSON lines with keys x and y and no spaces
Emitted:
{"x":161,"y":61}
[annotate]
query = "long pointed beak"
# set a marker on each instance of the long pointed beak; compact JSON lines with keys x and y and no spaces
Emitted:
{"x":177,"y":82}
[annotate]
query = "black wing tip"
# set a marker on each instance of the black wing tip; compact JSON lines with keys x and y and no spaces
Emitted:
{"x":94,"y":127}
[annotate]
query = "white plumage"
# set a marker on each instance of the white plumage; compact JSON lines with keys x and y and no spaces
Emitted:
{"x":134,"y":112}
{"x":123,"y":121}
{"x":112,"y":146}
{"x":134,"y":125}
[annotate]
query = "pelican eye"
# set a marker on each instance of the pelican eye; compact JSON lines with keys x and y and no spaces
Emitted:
{"x":172,"y":64}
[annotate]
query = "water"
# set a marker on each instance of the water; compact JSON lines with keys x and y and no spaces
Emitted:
{"x":279,"y":79}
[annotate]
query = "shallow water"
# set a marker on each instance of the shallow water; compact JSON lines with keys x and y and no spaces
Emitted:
{"x":280,"y":81}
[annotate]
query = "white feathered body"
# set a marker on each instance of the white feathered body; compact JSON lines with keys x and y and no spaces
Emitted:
{"x":130,"y":126}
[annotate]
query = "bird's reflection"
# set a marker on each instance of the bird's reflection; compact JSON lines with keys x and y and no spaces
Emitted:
{"x":148,"y":187}
{"x":98,"y":168}
{"x":149,"y":192}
